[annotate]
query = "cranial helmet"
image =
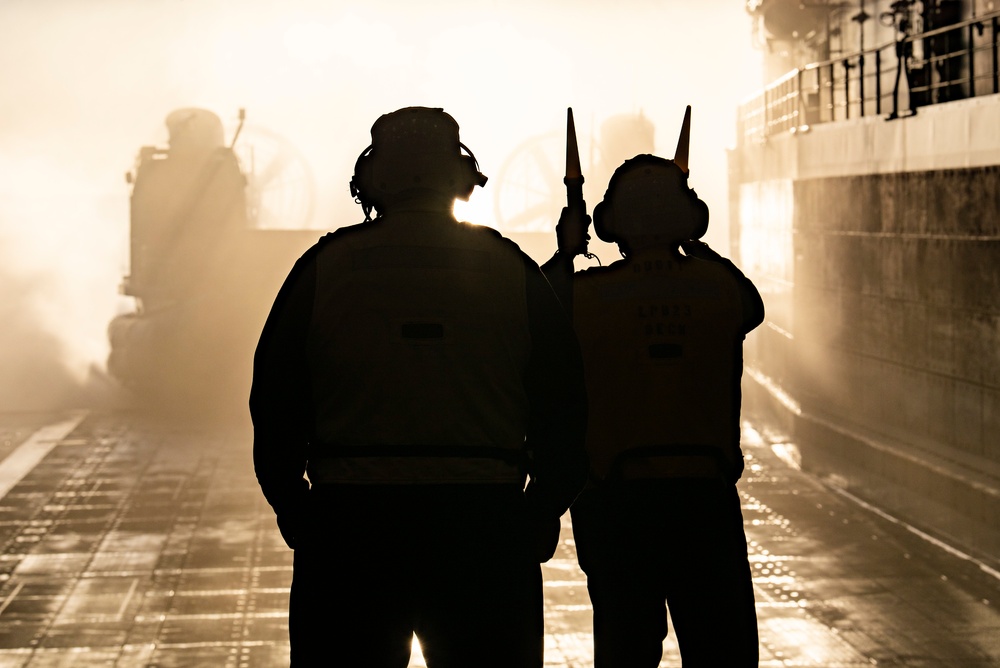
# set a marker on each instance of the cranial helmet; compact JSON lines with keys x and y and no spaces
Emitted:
{"x":649,"y":196}
{"x":414,"y":148}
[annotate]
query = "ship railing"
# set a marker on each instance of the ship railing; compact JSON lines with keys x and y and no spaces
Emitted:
{"x":894,"y":80}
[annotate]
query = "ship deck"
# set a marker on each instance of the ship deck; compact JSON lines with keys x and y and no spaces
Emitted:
{"x":127,"y":542}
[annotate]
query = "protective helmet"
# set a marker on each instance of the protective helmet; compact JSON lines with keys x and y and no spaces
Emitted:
{"x":414,"y":148}
{"x":194,"y":129}
{"x":649,"y":196}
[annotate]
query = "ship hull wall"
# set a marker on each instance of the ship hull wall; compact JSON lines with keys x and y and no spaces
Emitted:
{"x":876,"y":245}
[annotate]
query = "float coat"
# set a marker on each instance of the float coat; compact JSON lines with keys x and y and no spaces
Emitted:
{"x":663,"y":333}
{"x":424,"y":382}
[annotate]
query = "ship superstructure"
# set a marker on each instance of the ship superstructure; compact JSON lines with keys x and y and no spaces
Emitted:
{"x":865,"y":200}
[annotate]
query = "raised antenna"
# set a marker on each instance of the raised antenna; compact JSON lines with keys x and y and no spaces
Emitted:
{"x":684,"y":142}
{"x":573,"y":169}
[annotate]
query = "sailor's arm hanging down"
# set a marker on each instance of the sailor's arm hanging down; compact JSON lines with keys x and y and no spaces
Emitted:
{"x":280,"y":403}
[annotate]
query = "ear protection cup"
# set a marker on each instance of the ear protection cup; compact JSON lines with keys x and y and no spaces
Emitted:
{"x":361,"y":180}
{"x":470,"y":175}
{"x":701,"y":217}
{"x":603,"y":219}
{"x":362,"y":189}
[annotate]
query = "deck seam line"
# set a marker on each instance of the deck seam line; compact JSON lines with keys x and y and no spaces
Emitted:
{"x":27,"y":456}
{"x":985,"y":568}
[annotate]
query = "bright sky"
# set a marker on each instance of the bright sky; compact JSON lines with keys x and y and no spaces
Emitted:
{"x":88,"y":82}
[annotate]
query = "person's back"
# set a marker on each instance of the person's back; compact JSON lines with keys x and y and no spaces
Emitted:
{"x":661,"y":334}
{"x":658,"y":333}
{"x":426,"y":318}
{"x":417,"y":370}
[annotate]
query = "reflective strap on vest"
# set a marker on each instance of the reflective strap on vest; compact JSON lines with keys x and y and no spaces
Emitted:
{"x":417,"y":464}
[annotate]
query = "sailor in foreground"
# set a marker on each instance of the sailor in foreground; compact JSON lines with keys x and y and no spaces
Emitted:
{"x":418,"y":371}
{"x":659,"y":526}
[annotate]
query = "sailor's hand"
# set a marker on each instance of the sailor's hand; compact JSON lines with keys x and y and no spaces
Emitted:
{"x":290,"y":526}
{"x":545,"y":537}
{"x":293,"y":522}
{"x":699,"y":249}
{"x":571,"y":232}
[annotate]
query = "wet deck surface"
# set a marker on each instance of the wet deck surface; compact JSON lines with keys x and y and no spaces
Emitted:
{"x":127,"y":543}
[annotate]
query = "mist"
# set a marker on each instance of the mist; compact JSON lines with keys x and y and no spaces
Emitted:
{"x":89,"y":82}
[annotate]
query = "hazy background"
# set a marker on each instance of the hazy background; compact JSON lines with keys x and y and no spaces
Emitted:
{"x":86,"y":83}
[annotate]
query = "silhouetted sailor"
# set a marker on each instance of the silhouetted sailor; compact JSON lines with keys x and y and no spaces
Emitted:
{"x":661,"y":334}
{"x":417,"y":369}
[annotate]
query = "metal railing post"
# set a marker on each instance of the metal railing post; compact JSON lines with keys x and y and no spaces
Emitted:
{"x":767,"y":113}
{"x":971,"y":55}
{"x":833,"y":95}
{"x":878,"y":82}
{"x":861,"y":83}
{"x":996,"y":72}
{"x":800,"y":112}
{"x":847,"y":89}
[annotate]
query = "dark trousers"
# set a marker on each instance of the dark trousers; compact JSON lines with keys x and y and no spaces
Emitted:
{"x":451,"y":563}
{"x":677,"y":543}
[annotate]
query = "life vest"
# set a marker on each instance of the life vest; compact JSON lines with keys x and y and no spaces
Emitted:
{"x":660,"y":340}
{"x":417,"y":348}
